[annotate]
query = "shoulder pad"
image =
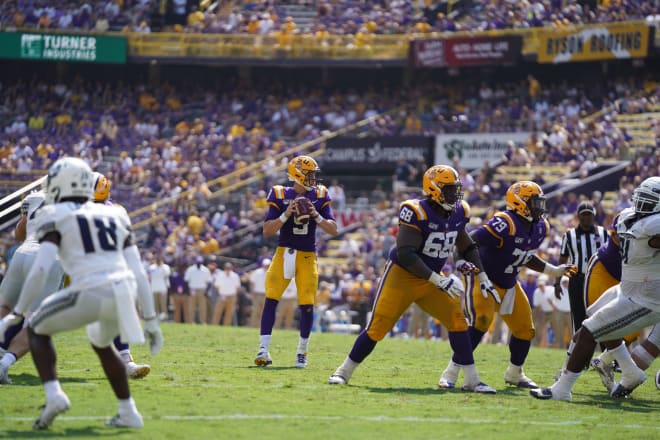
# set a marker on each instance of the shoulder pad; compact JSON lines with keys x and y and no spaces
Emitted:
{"x":507,"y":217}
{"x":416,"y":207}
{"x":466,"y":208}
{"x":278,"y":192}
{"x":321,"y":191}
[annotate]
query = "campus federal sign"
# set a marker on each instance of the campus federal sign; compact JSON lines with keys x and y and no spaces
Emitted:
{"x":472,"y":150}
{"x":63,"y":47}
{"x":594,"y":43}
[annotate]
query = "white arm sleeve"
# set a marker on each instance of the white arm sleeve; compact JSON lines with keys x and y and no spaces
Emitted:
{"x":36,"y":279}
{"x":145,"y":298}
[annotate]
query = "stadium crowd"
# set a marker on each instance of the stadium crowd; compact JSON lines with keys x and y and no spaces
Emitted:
{"x":330,"y":17}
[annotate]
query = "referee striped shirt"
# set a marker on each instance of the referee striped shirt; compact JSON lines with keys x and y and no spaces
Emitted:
{"x":580,"y":245}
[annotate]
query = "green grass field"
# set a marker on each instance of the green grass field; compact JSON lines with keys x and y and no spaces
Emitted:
{"x":203,"y":385}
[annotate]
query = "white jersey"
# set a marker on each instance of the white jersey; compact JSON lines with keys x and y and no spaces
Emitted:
{"x":31,"y":203}
{"x":93,"y":237}
{"x":641,"y":262}
{"x":159,"y":276}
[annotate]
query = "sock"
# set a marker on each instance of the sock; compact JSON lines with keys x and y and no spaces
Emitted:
{"x":348,"y":366}
{"x":303,"y":343}
{"x":8,"y":359}
{"x":52,"y":388}
{"x":470,"y":374}
{"x":120,"y":346}
{"x":460,"y":343}
{"x":127,"y":406}
{"x":606,"y":357}
{"x":622,"y":356}
{"x":264,"y":341}
{"x":268,"y":316}
{"x":569,"y":350}
{"x":643,"y":359}
{"x":126,"y":356}
{"x":306,"y":320}
{"x":475,"y":337}
{"x":362,"y":347}
{"x":566,"y":381}
{"x":519,"y":349}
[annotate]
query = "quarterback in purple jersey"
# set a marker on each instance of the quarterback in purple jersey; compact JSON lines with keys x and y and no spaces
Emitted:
{"x":295,"y":256}
{"x":430,"y":229}
{"x":507,"y":242}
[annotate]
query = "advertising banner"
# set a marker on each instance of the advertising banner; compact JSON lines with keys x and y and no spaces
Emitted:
{"x":472,"y":150}
{"x":593,"y":43}
{"x":63,"y":47}
{"x":374,"y":155}
{"x":476,"y":51}
{"x":427,"y":53}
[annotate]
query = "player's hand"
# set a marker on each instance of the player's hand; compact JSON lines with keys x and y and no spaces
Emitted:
{"x":447,"y":284}
{"x":466,"y":267}
{"x":487,"y":287}
{"x":153,"y":334}
{"x":558,"y":291}
{"x":12,"y":320}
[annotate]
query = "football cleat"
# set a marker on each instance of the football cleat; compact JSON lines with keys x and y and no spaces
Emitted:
{"x":516,"y":377}
{"x":549,"y":394}
{"x":133,"y":420}
{"x":605,"y":371}
{"x":337,"y":379}
{"x":59,"y":404}
{"x":263,"y":359}
{"x":301,"y":360}
{"x":449,"y":377}
{"x":137,"y":371}
{"x":480,"y":387}
{"x":627,"y":383}
{"x":4,"y":375}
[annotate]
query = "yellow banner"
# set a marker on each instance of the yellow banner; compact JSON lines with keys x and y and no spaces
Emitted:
{"x":594,"y":42}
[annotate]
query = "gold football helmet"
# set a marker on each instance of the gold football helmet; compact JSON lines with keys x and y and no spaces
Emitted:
{"x":302,"y":170}
{"x":526,"y":199}
{"x":101,"y":187}
{"x":442,"y":184}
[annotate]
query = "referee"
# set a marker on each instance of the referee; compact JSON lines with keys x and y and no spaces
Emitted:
{"x":578,"y":245}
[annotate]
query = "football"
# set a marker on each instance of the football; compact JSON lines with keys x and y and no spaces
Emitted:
{"x":302,"y":209}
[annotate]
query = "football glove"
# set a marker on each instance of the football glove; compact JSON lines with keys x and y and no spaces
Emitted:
{"x":153,"y":334}
{"x":487,"y":288}
{"x":466,"y":267}
{"x":447,"y":284}
{"x":567,"y":270}
{"x":10,"y":324}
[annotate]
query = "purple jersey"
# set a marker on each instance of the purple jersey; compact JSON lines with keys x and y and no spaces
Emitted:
{"x":438,"y":232}
{"x":609,"y":253}
{"x":505,"y":246}
{"x":300,"y":236}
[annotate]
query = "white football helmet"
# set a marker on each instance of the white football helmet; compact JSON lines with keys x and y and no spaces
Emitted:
{"x":69,"y":177}
{"x":646,"y":197}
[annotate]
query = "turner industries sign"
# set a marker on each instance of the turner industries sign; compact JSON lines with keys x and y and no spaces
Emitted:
{"x":63,"y":47}
{"x":472,"y":150}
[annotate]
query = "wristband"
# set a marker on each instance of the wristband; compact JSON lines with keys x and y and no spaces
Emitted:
{"x":283,"y":218}
{"x":319,"y":218}
{"x":551,"y":269}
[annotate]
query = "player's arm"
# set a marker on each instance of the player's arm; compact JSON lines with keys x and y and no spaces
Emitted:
{"x":468,"y":250}
{"x":20,"y":230}
{"x":327,"y":224}
{"x":145,"y":298}
{"x":36,"y":278}
{"x":408,"y":241}
{"x":541,"y":265}
{"x":275,"y":219}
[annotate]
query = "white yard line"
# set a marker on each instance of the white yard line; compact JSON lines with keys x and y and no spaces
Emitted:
{"x":435,"y":420}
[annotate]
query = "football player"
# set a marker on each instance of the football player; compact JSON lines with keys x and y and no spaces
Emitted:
{"x":507,"y":242}
{"x":135,"y":371}
{"x":430,"y":229}
{"x":94,"y":243}
{"x":15,"y":344}
{"x":295,"y":256}
{"x":635,"y":302}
